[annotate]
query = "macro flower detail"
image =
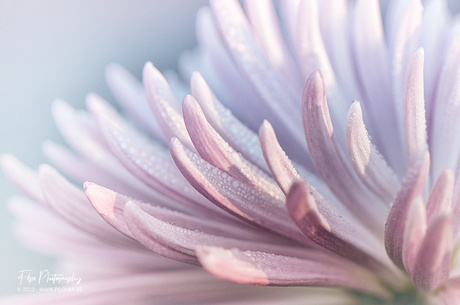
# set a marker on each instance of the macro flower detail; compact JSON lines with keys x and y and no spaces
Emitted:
{"x":316,"y":151}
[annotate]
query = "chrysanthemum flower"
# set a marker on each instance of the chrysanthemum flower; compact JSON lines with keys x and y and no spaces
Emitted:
{"x":318,"y":149}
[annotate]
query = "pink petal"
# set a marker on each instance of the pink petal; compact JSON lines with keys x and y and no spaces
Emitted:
{"x":164,"y":105}
{"x":81,"y":170}
{"x":450,"y":294}
{"x":81,"y":133}
{"x":70,"y":203}
{"x":275,"y":91}
{"x":233,"y":196}
{"x":153,"y":165}
{"x":433,"y":262}
{"x":440,"y":199}
{"x":445,"y":125}
{"x":224,"y":77}
{"x":414,"y":233}
{"x":335,"y":31}
{"x":404,"y":42}
{"x":225,"y":123}
{"x":338,"y":236}
{"x":370,"y":166}
{"x":111,"y":205}
{"x":372,"y":66}
{"x":411,"y":188}
{"x":264,"y":20}
{"x":310,"y":50}
{"x":436,"y":20}
{"x":220,"y":154}
{"x":261,"y":268}
{"x":130,"y":94}
{"x":330,"y":161}
{"x":414,"y":109}
{"x":23,"y":177}
{"x":185,"y":237}
{"x":281,"y":167}
{"x":455,"y":205}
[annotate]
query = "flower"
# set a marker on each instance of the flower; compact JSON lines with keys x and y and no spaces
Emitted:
{"x":360,"y":198}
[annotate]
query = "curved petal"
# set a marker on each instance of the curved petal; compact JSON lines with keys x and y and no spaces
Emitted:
{"x":338,"y":236}
{"x":220,"y":154}
{"x":237,"y":198}
{"x":414,"y":234}
{"x":411,"y":187}
{"x":372,"y":66}
{"x":23,"y":177}
{"x":225,"y":123}
{"x":275,"y":91}
{"x":432,"y":265}
{"x":370,"y":166}
{"x":261,"y":268}
{"x":262,"y":14}
{"x":330,"y":161}
{"x":164,"y":105}
{"x":130,"y":94}
{"x":414,"y":121}
{"x":440,"y":199}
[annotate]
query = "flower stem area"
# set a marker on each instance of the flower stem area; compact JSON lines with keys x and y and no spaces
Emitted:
{"x":406,"y":297}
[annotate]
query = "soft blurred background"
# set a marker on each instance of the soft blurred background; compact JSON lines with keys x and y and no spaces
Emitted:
{"x":59,"y":49}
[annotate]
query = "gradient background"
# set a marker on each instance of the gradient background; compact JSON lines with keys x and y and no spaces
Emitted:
{"x":59,"y":49}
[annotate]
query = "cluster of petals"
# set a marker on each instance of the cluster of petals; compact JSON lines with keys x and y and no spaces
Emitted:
{"x":318,"y":149}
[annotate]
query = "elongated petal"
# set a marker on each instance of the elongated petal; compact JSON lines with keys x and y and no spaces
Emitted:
{"x":432,"y":265}
{"x":154,"y":166}
{"x":444,"y":144}
{"x":262,"y":15}
{"x":110,"y":205}
{"x":435,"y":22}
{"x":440,"y":199}
{"x":280,"y":166}
{"x":224,"y":76}
{"x":329,"y":159}
{"x":370,"y":166}
{"x":240,"y":137}
{"x":70,"y":203}
{"x":414,"y":233}
{"x":310,"y":49}
{"x":185,"y":239}
{"x":455,"y":206}
{"x":406,"y":41}
{"x":267,"y":269}
{"x":219,"y":153}
{"x":414,"y":109}
{"x":335,"y":29}
{"x":338,"y":237}
{"x":235,"y":197}
{"x":164,"y":104}
{"x":81,"y":170}
{"x":372,"y":66}
{"x":275,"y":91}
{"x":131,"y":96}
{"x":23,"y":177}
{"x":411,"y":187}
